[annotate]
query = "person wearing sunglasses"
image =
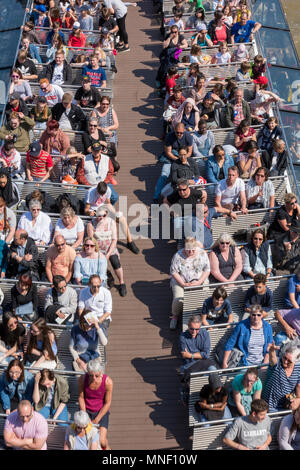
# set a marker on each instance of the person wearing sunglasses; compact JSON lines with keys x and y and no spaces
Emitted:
{"x":19,"y":85}
{"x":194,"y":344}
{"x":60,"y":259}
{"x":12,"y":335}
{"x":285,"y":216}
{"x":260,"y":191}
{"x":89,"y":261}
{"x":81,"y":434}
{"x":16,"y":384}
{"x":257,"y":256}
{"x":282,"y":386}
{"x":69,"y":115}
{"x":36,"y":223}
{"x":52,"y":93}
{"x":225,"y":260}
{"x":253,"y":337}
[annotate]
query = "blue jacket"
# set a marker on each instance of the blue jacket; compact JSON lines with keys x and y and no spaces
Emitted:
{"x":213,"y":169}
{"x":241,"y":336}
{"x":8,"y":389}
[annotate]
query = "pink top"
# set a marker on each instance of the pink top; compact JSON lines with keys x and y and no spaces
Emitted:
{"x":94,"y":399}
{"x":36,"y":428}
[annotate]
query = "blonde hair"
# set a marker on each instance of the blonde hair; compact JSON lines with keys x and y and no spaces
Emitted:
{"x":224,"y":237}
{"x":92,"y":239}
{"x":289,"y":197}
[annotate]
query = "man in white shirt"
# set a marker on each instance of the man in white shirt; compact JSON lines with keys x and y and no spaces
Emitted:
{"x":52,"y":93}
{"x":96,"y":298}
{"x":230,"y":192}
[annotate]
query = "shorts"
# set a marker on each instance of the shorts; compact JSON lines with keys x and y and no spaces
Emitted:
{"x":115,"y":261}
{"x":103,"y":423}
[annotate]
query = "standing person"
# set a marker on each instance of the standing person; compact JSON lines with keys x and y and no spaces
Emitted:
{"x":95,"y":394}
{"x":119,"y":9}
{"x":26,"y":429}
{"x":251,"y":432}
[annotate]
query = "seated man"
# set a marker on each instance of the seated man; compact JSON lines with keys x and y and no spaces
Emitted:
{"x":96,"y":73}
{"x":95,"y":198}
{"x":69,"y":115}
{"x":60,"y":302}
{"x":194,"y":346}
{"x":60,"y":259}
{"x":97,"y":167}
{"x":26,"y":429}
{"x":259,"y":294}
{"x":23,"y":256}
{"x":174,"y":141}
{"x":290,"y":320}
{"x":243,"y":30}
{"x":230,"y":192}
{"x":59,"y":72}
{"x":97,"y":299}
{"x":236,"y":110}
{"x":87,"y":96}
{"x":17,"y":104}
{"x":251,"y":432}
{"x":52,"y":93}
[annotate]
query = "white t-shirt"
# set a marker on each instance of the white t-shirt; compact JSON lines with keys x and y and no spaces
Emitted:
{"x":64,"y":122}
{"x":11,"y":219}
{"x":57,"y":78}
{"x":230,"y":195}
{"x":223,"y":58}
{"x":93,"y":198}
{"x":54,"y":96}
{"x":70,"y":235}
{"x":118,"y":6}
{"x":99,"y":303}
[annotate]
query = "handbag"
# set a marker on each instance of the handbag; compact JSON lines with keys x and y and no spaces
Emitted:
{"x":234,"y":358}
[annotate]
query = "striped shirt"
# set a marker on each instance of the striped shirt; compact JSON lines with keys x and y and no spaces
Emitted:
{"x":256,"y":346}
{"x":278,"y":385}
{"x":39,"y":165}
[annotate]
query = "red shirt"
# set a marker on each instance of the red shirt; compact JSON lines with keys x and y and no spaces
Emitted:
{"x":75,"y":41}
{"x":39,"y":166}
{"x":170,"y":83}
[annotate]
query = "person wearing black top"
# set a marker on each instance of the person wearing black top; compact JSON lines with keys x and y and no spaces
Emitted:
{"x":47,"y":201}
{"x":285,"y":216}
{"x":23,"y":256}
{"x":8,"y":190}
{"x":26,"y":66}
{"x":87,"y":96}
{"x":16,"y":104}
{"x":66,"y":74}
{"x":286,"y":254}
{"x":12,"y":334}
{"x":24,"y":293}
{"x":73,"y":114}
{"x":185,"y":168}
{"x":213,"y":400}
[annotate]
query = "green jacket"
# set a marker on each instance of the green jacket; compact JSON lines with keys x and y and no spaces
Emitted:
{"x":229,"y":113}
{"x":61,"y":393}
{"x":22,"y":133}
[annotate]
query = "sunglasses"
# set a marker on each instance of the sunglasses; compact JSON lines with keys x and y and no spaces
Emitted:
{"x":95,"y":286}
{"x":181,"y":189}
{"x":194,"y":329}
{"x":255,"y":314}
{"x":15,"y":76}
{"x":43,"y":89}
{"x":105,"y":104}
{"x":93,"y":125}
{"x":102,"y":215}
{"x":89,"y":245}
{"x":58,"y":245}
{"x":224,"y":243}
{"x":287,"y":360}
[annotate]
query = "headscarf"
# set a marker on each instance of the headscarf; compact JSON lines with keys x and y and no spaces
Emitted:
{"x":179,"y":113}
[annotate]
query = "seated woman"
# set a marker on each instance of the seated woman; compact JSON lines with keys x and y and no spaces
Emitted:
{"x":209,"y":111}
{"x":253,"y":337}
{"x":4,"y":253}
{"x":189,"y":267}
{"x":70,"y":226}
{"x":11,"y":337}
{"x":24,"y":298}
{"x":10,"y":159}
{"x":250,"y":159}
{"x":20,"y":86}
{"x":16,"y":384}
{"x":285,"y":216}
{"x":84,"y":341}
{"x":37,"y":224}
{"x":245,"y":388}
{"x":213,"y":400}
{"x":282,"y":386}
{"x":185,"y":168}
{"x":54,"y":140}
{"x":8,"y":223}
{"x":217,"y":309}
{"x":48,"y":203}
{"x":8,"y":190}
{"x":225,"y":260}
{"x":41,"y":347}
{"x":260,"y":191}
{"x":81,"y":434}
{"x":276,"y":160}
{"x":175,"y":39}
{"x":257,"y":256}
{"x":243,"y":134}
{"x":198,"y":91}
{"x":104,"y":229}
{"x":41,"y":113}
{"x":51,"y":395}
{"x":187,"y":114}
{"x":217,"y":165}
{"x":268,"y":133}
{"x":289,"y":431}
{"x":107,"y":119}
{"x":89,"y":261}
{"x":60,"y":302}
{"x":218,"y":30}
{"x":92,"y":135}
{"x":203,"y":141}
{"x":95,"y":393}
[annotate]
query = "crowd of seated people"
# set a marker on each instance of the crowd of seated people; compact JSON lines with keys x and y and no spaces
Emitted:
{"x":61,"y":126}
{"x":239,"y":178}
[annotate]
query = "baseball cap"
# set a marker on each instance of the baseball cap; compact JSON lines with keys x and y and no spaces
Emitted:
{"x":261,"y":81}
{"x":76,"y":25}
{"x":41,"y":8}
{"x":104,"y":31}
{"x":86,"y":79}
{"x":35,"y":148}
{"x":84,"y":8}
{"x":96,"y":146}
{"x":41,"y":99}
{"x":201,"y":27}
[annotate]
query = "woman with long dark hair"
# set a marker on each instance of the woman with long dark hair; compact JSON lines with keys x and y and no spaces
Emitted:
{"x":41,"y":350}
{"x":16,"y":384}
{"x":11,"y":337}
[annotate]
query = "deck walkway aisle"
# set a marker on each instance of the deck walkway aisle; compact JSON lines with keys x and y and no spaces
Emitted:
{"x":142,"y":358}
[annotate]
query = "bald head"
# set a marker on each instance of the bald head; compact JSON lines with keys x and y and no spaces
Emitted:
{"x":25,"y":411}
{"x":59,"y":242}
{"x":20,"y":237}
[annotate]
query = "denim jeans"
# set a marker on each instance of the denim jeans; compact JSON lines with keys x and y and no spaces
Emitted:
{"x":188,"y":226}
{"x":165,"y":173}
{"x":49,"y":412}
{"x":226,"y":415}
{"x":114,"y":195}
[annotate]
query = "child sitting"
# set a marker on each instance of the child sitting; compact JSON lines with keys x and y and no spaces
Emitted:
{"x":217,"y":308}
{"x":259,"y":294}
{"x":243,"y":73}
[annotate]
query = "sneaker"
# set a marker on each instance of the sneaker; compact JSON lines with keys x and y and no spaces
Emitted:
{"x":132,"y":247}
{"x":122,"y":290}
{"x":173,"y":323}
{"x":124,"y":49}
{"x":114,"y":68}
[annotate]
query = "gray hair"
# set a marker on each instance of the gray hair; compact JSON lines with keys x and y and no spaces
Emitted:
{"x":291,"y":347}
{"x":194,"y":319}
{"x":224,"y":237}
{"x":81,"y":419}
{"x":34,"y":203}
{"x":95,"y":366}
